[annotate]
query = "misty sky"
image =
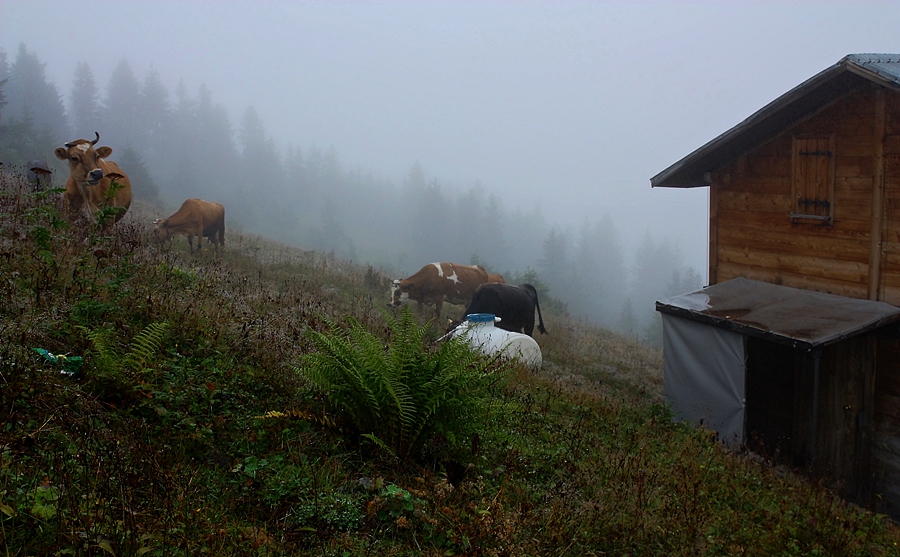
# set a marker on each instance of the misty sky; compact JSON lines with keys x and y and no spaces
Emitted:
{"x":569,"y":105}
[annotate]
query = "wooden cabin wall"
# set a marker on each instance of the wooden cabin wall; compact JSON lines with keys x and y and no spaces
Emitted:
{"x":752,"y":234}
{"x":886,"y":436}
{"x":890,"y":284}
{"x":846,"y":406}
{"x":840,"y":449}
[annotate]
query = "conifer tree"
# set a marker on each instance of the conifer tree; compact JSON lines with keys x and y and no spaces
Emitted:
{"x":652,"y":279}
{"x":155,"y":122}
{"x":4,"y":79}
{"x":120,"y":112}
{"x":31,"y":97}
{"x":598,"y":272}
{"x":142,"y":182}
{"x":181,"y":178}
{"x":496,"y":248}
{"x":260,"y":164}
{"x":553,"y":264}
{"x":85,"y":102}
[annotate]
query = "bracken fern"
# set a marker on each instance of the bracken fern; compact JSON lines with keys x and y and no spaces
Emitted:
{"x":125,"y":372}
{"x":403,"y":394}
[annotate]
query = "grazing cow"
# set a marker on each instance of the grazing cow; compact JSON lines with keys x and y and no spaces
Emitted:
{"x":496,"y":277}
{"x":196,"y":217}
{"x":39,"y":175}
{"x":437,"y":282}
{"x":90,"y":178}
{"x":514,"y":305}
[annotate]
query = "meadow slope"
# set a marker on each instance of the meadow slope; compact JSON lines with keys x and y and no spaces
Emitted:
{"x":138,"y":381}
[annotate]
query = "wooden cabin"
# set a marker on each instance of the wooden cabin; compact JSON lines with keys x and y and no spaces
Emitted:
{"x":804,"y":276}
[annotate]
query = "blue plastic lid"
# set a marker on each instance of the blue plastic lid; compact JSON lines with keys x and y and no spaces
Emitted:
{"x":480,"y":317}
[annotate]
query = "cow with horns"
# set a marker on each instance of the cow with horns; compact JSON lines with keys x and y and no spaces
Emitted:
{"x":90,"y":179}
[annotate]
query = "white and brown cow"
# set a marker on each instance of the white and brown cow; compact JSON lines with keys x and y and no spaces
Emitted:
{"x":90,"y":178}
{"x":196,"y":217}
{"x":437,"y":282}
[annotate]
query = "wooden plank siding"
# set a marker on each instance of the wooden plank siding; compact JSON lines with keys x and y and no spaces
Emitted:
{"x":846,"y":403}
{"x":878,"y":201}
{"x":753,"y":235}
{"x":886,"y":434}
{"x":890,"y":271}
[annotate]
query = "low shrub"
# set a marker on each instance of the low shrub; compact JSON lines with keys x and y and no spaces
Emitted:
{"x":401,"y":395}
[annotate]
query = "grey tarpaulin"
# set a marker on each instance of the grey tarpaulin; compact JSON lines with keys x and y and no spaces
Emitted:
{"x":704,"y":376}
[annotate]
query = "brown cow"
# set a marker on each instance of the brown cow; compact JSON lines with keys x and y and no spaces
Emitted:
{"x":496,"y":277}
{"x":90,"y":177}
{"x":437,"y":282}
{"x":196,"y":217}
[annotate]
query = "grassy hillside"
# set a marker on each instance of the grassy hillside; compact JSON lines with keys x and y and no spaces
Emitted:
{"x":150,"y":436}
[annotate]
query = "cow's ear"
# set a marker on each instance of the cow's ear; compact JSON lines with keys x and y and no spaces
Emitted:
{"x":104,"y":152}
{"x":61,"y":154}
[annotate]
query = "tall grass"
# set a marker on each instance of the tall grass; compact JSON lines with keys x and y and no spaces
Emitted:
{"x":174,"y":456}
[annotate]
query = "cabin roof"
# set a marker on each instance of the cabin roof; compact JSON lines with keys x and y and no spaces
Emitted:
{"x":787,"y":110}
{"x":793,"y":316}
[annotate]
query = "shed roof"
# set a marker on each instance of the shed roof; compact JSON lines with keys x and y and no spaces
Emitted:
{"x":800,"y":318}
{"x":790,"y":108}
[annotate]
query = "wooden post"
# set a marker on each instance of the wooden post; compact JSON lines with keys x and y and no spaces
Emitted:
{"x":875,"y":247}
{"x":713,"y":231}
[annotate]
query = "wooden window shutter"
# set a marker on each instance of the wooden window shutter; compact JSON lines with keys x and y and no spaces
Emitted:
{"x":813,"y":179}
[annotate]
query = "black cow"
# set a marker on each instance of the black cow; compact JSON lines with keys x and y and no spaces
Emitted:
{"x":514,"y":305}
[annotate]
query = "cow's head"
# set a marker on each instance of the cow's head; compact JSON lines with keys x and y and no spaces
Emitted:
{"x":84,"y":160}
{"x":161,"y":230}
{"x":399,"y":292}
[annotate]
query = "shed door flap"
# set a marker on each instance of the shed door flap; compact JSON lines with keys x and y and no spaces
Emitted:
{"x":703,"y":376}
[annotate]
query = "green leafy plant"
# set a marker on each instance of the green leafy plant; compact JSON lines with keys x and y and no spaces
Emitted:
{"x":401,"y":395}
{"x":125,"y":372}
{"x":107,"y":214}
{"x":396,"y":502}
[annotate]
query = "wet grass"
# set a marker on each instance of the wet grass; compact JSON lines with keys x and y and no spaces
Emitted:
{"x":156,"y":444}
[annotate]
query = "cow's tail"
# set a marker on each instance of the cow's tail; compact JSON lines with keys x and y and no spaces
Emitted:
{"x":538,"y":306}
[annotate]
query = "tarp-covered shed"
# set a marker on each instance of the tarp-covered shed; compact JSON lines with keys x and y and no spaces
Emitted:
{"x":802,"y":362}
{"x":788,"y":372}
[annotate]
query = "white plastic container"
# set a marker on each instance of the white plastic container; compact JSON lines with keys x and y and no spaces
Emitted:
{"x":480,"y":331}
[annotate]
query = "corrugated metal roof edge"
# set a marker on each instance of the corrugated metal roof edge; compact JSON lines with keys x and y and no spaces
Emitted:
{"x":851,"y":62}
{"x":866,"y":64}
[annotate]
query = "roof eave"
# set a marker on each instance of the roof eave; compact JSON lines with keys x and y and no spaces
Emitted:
{"x":694,"y":170}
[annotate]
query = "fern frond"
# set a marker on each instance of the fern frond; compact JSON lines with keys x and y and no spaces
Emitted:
{"x":337,"y":370}
{"x":145,"y":346}
{"x":381,"y":444}
{"x":401,"y":394}
{"x":105,"y":353}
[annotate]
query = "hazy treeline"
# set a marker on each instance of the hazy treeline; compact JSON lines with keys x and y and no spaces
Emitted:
{"x":179,"y":144}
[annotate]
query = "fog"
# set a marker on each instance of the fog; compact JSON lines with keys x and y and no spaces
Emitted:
{"x":562,"y":110}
